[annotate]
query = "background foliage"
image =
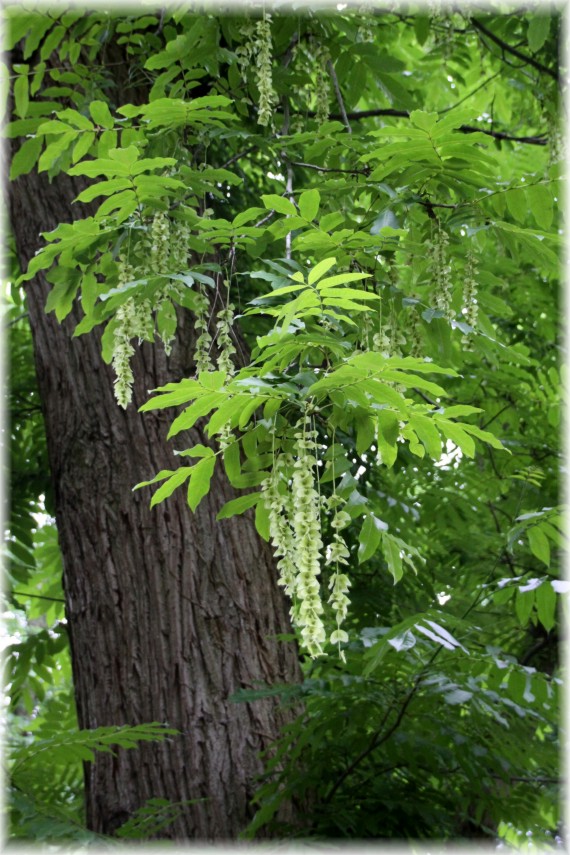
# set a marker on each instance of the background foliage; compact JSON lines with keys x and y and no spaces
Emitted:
{"x":376,"y":196}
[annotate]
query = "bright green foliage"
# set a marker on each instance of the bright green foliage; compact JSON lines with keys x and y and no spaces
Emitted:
{"x":373,"y":198}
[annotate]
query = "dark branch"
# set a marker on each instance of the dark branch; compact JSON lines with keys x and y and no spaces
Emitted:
{"x":499,"y":135}
{"x":329,"y":169}
{"x":466,"y":129}
{"x":528,"y":60}
{"x":37,"y":596}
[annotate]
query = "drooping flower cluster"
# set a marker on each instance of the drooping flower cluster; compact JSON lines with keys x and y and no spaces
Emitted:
{"x":294,"y":504}
{"x":179,"y":243}
{"x":224,"y":321}
{"x":414,"y":329}
{"x":204,"y":341}
{"x":279,"y":504}
{"x":470,"y":305}
{"x":365,"y":31}
{"x":307,"y":529}
{"x":246,"y":50}
{"x":389,"y":337}
{"x":164,"y":249}
{"x":131,"y":321}
{"x":122,"y":352}
{"x":381,"y":339}
{"x":160,"y":243}
{"x":322,"y":86}
{"x":166,"y":255}
{"x":437,"y":253}
{"x":263,"y":66}
{"x":337,"y":553}
{"x":257,"y":48}
{"x":226,"y":350}
{"x":471,"y":308}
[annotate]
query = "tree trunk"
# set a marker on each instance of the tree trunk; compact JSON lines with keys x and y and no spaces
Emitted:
{"x":169,"y":612}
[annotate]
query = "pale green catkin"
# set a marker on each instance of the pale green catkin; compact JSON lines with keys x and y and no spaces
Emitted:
{"x":437,"y":252}
{"x":307,"y":528}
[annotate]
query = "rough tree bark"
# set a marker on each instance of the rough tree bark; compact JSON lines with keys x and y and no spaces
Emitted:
{"x":169,"y":612}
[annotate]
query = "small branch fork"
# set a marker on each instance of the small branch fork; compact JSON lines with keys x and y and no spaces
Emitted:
{"x":506,"y":48}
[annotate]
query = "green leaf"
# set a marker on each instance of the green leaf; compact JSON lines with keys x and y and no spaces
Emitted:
{"x":238,"y":506}
{"x":428,"y":434}
{"x":197,"y":450}
{"x":421,"y":28}
{"x":484,"y":436}
{"x":21,"y":91}
{"x":247,"y":216}
{"x":460,"y":410}
{"x":457,"y":435}
{"x":370,"y":535}
{"x":365,"y":432}
{"x":538,"y":30}
{"x":54,"y":150}
{"x":82,"y":146}
{"x":309,"y":202}
{"x":279,"y":204}
{"x":26,"y":157}
{"x":387,"y":436}
{"x":179,"y":477}
{"x":212,"y":380}
{"x":539,"y":544}
{"x":523,"y":605}
{"x":541,"y":204}
{"x":201,"y":475}
{"x":262,"y":521}
{"x":392,"y":556}
{"x":546,"y":605}
{"x":320,"y":269}
{"x":517,"y":204}
{"x":423,"y":120}
{"x":195,"y":411}
{"x":341,"y":279}
{"x":103,"y":188}
{"x":101,"y":114}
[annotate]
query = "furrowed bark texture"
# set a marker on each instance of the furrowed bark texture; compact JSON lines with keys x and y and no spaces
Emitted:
{"x":169,"y":612}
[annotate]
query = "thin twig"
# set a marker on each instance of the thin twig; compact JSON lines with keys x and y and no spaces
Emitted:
{"x":329,"y":169}
{"x":238,"y":156}
{"x":15,"y":320}
{"x":469,"y":94}
{"x":528,"y":60}
{"x":341,"y":106}
{"x":37,"y":596}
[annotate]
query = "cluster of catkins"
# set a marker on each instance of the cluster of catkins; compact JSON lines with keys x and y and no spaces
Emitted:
{"x":470,"y":305}
{"x":294,"y":507}
{"x":166,"y":248}
{"x":226,"y":348}
{"x":437,"y":253}
{"x":257,"y":47}
{"x":322,"y":85}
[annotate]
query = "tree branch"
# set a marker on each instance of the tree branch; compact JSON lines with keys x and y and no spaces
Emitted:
{"x":528,"y":60}
{"x":37,"y":596}
{"x":334,"y":78}
{"x":329,"y":169}
{"x":465,"y":129}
